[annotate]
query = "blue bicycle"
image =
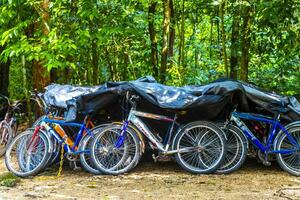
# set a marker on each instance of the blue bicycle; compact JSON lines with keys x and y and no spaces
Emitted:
{"x":37,"y":148}
{"x":283,"y":141}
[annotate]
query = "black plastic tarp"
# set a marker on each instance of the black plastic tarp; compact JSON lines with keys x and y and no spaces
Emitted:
{"x":208,"y":101}
{"x":58,"y":95}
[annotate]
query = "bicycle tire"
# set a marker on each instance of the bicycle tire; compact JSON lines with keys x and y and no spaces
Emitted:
{"x":6,"y":137}
{"x":20,"y":171}
{"x":280,"y":143}
{"x":129,"y":158}
{"x":235,"y":156}
{"x":201,"y":167}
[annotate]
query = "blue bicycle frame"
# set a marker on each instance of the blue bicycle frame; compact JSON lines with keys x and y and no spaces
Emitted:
{"x":276,"y":127}
{"x":82,"y":126}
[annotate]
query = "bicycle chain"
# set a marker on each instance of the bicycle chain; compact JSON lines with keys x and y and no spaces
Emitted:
{"x":61,"y":159}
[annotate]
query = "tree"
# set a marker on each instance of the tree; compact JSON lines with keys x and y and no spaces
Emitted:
{"x":245,"y":42}
{"x":4,"y":75}
{"x":41,"y":76}
{"x":87,"y":42}
{"x":224,"y":52}
{"x":165,"y":46}
{"x":234,"y":44}
{"x":153,"y":38}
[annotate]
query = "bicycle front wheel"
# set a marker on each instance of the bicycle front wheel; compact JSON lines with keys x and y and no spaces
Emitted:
{"x":237,"y":148}
{"x":27,"y":155}
{"x":290,"y":161}
{"x":85,"y":156}
{"x":201,"y":147}
{"x":111,"y":158}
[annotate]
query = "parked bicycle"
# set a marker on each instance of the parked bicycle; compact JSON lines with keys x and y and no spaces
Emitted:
{"x":198,"y":147}
{"x":283,"y":141}
{"x":9,"y":125}
{"x":35,"y":149}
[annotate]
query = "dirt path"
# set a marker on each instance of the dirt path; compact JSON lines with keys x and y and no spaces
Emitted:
{"x":159,"y":181}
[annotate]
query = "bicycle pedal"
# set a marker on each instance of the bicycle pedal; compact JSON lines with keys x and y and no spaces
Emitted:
{"x":266,"y":163}
{"x":155,"y":158}
{"x":77,"y":169}
{"x":74,"y":167}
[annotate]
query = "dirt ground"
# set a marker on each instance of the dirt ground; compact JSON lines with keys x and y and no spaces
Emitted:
{"x":158,"y":181}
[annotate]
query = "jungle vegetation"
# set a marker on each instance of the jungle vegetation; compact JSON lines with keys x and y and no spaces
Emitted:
{"x":179,"y":42}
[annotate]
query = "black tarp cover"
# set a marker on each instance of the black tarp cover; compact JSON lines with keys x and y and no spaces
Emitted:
{"x":206,"y":100}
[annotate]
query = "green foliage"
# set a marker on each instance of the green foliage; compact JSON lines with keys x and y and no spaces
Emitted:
{"x":9,"y":180}
{"x":110,"y":40}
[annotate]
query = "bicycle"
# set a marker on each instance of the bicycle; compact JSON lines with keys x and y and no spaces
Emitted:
{"x":8,"y":126}
{"x":199,"y":147}
{"x":282,"y":141}
{"x":35,"y":149}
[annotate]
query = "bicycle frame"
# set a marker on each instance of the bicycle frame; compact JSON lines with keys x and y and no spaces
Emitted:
{"x":276,"y":127}
{"x":164,"y":147}
{"x":82,"y":131}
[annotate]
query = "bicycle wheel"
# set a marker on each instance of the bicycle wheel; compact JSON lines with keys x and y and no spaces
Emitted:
{"x":6,"y":137}
{"x":201,"y":147}
{"x":85,"y":146}
{"x":27,"y":155}
{"x":237,"y":148}
{"x":111,"y":159}
{"x":54,"y":155}
{"x":85,"y":156}
{"x":289,"y":162}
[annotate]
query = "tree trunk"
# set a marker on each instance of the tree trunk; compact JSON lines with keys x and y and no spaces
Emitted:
{"x":95,"y":63}
{"x":166,"y":31}
{"x":245,"y":44}
{"x":222,"y":7}
{"x":126,"y":65}
{"x":4,"y":76}
{"x":218,"y":32}
{"x":195,"y":23}
{"x":41,"y":76}
{"x":182,"y":42}
{"x":110,"y":65}
{"x":172,"y":29}
{"x":153,"y":39}
{"x":211,"y":38}
{"x":234,"y":47}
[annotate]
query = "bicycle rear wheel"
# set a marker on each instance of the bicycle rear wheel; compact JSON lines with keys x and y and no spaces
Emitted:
{"x":289,"y":162}
{"x":111,"y":159}
{"x":201,"y":147}
{"x":85,"y":156}
{"x":27,"y":155}
{"x":6,"y":136}
{"x":237,"y":148}
{"x":85,"y":147}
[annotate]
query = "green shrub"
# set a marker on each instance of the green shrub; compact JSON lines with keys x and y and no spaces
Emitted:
{"x":9,"y":180}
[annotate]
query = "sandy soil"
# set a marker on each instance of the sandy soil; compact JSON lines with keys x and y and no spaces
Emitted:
{"x":158,"y":181}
